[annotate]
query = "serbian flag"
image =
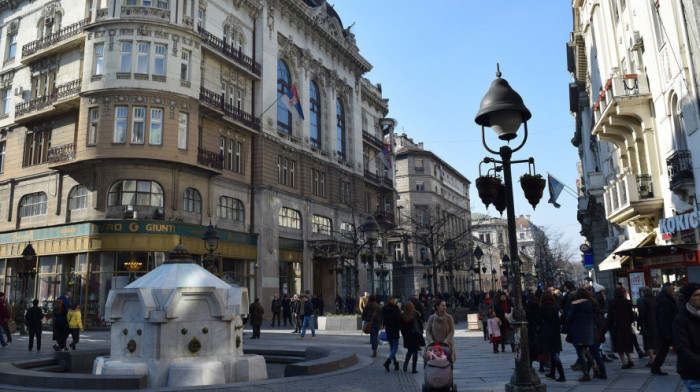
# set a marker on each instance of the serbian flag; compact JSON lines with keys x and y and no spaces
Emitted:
{"x":385,"y":157}
{"x":291,"y":99}
{"x":555,"y":188}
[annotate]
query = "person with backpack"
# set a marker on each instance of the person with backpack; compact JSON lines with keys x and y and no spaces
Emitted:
{"x":33,"y":319}
{"x":75,"y":324}
{"x":60,"y":321}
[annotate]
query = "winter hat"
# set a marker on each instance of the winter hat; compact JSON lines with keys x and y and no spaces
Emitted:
{"x":598,"y":287}
{"x":688,"y":290}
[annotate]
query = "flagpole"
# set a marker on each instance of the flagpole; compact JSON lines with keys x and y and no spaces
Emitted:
{"x":268,"y":108}
{"x":571,"y":191}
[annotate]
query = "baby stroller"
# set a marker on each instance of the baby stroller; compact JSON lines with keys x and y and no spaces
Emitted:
{"x":437,"y":368}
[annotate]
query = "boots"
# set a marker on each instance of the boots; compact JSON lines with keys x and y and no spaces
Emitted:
{"x":560,"y":369}
{"x":396,"y":365}
{"x":596,"y":371}
{"x":415,"y":359}
{"x":586,"y":376}
{"x":374,"y":352}
{"x":386,"y":364}
{"x":552,"y":370}
{"x":405,"y":363}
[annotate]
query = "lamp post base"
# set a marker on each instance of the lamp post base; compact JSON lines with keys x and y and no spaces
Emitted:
{"x":536,"y":385}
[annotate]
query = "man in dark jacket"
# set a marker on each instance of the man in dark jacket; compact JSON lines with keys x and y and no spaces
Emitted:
{"x":296,"y":313}
{"x":308,"y":318}
{"x":276,"y":308}
{"x":686,"y":337}
{"x":33,"y":319}
{"x":666,"y":311}
{"x":287,"y":310}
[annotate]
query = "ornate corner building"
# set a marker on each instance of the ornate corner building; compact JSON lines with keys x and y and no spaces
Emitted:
{"x":634,"y":97}
{"x":127,"y":126}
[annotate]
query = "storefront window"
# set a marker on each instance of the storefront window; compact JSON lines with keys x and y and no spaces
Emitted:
{"x":675,"y":275}
{"x":290,"y":278}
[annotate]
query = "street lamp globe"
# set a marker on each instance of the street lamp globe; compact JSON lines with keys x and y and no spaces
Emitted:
{"x":502,"y":109}
{"x":29,"y":253}
{"x":211,"y":239}
{"x":370,"y":228}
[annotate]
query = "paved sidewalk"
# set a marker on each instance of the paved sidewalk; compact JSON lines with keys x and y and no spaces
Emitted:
{"x":477,"y":367}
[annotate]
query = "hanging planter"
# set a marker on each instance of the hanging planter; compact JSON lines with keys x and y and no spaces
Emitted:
{"x":364,"y":257}
{"x":533,"y":186}
{"x":500,"y":202}
{"x":488,"y":189}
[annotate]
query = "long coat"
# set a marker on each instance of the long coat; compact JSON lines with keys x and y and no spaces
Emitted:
{"x":666,"y":311}
{"x":391,"y":314}
{"x":686,"y":340}
{"x":412,"y":331}
{"x":551,"y":327}
{"x":647,"y":320}
{"x":256,"y":311}
{"x":620,"y":318}
{"x":441,"y":329}
{"x":580,"y":322}
{"x":506,"y":331}
{"x":532,"y":313}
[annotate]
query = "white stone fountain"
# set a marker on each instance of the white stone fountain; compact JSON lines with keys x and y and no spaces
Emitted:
{"x":180,"y":325}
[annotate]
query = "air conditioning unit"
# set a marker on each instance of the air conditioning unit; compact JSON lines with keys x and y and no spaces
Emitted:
{"x":637,"y":40}
{"x":18,"y":91}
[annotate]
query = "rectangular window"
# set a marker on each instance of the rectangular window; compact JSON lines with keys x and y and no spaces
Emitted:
{"x":147,"y":3}
{"x":94,"y":114}
{"x":229,"y":154}
{"x":36,"y":147}
{"x":2,"y":157}
{"x":159,"y":62}
{"x":291,"y":173}
{"x":222,"y":146}
{"x":279,"y":169}
{"x":182,"y":131}
{"x":125,"y":57}
{"x":12,"y":48}
{"x":163,"y":4}
{"x":6,"y":101}
{"x":285,"y":170}
{"x":99,"y":58}
{"x":319,"y":183}
{"x":120,"y":115}
{"x":155,"y":136}
{"x":142,"y":57}
{"x":185,"y":66}
{"x":138,"y":126}
{"x":321,"y":225}
{"x":237,"y":165}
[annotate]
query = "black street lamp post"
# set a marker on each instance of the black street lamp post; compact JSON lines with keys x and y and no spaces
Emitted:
{"x":478,"y":253}
{"x":493,"y":280}
{"x":502,"y":109}
{"x":505,"y":262}
{"x":370,"y":228}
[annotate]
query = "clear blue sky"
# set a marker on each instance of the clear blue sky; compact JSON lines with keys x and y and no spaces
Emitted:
{"x":436,"y":60}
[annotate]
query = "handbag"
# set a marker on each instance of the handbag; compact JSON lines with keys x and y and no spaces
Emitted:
{"x":367,"y":328}
{"x":382,"y":336}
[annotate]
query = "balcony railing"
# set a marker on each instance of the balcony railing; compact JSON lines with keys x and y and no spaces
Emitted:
{"x":54,"y":38}
{"x":150,"y":13}
{"x":628,"y":190}
{"x":379,"y":180}
{"x":228,"y":51}
{"x":373,"y":140}
{"x":210,"y":159}
{"x":618,"y":88}
{"x":216,"y":100}
{"x":63,"y":91}
{"x":680,"y":168}
{"x":62,"y":153}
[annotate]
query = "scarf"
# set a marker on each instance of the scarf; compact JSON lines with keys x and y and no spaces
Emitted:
{"x":505,"y":307}
{"x":692,"y":310}
{"x":488,"y":301}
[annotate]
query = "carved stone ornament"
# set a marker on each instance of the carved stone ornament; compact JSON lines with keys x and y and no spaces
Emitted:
{"x":194,"y":345}
{"x":131,"y":346}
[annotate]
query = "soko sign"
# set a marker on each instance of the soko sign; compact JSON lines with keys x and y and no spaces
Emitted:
{"x":689,"y":220}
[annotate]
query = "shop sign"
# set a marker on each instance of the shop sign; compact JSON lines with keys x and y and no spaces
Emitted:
{"x":686,"y":257}
{"x":689,"y":220}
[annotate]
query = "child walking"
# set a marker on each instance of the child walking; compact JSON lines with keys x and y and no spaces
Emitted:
{"x":494,"y":329}
{"x":75,"y":324}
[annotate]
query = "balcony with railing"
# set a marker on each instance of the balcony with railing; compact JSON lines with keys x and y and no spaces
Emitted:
{"x":210,"y":159}
{"x":62,"y":97}
{"x":372,"y":140}
{"x":621,"y":95}
{"x":62,"y":153}
{"x":217,"y":102}
{"x":228,"y":51}
{"x":53,"y":42}
{"x":379,"y":180}
{"x":680,"y":169}
{"x":145,"y":13}
{"x":631,"y":200}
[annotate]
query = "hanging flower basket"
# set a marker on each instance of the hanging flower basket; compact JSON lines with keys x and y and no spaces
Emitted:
{"x":379,"y":257}
{"x":500,"y":202}
{"x":488,"y":189}
{"x":365,"y":258}
{"x":533,"y":186}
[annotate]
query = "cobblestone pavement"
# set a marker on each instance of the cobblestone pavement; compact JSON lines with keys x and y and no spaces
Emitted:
{"x":477,"y":367}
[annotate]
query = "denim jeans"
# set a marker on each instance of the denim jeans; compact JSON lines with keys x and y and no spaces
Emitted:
{"x":692,"y":385}
{"x":393,"y":347}
{"x":308,"y":321}
{"x":373,"y":338}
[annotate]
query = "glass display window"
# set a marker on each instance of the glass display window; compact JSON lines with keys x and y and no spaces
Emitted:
{"x":675,"y":274}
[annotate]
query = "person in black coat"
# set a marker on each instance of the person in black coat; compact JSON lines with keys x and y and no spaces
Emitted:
{"x":620,"y":318}
{"x":686,"y":337}
{"x":412,"y":331}
{"x":33,"y":319}
{"x":372,"y":313}
{"x":534,"y":337}
{"x":287,"y":310}
{"x":666,"y":311}
{"x":391,"y":315}
{"x":551,"y":334}
{"x":646,"y":322}
{"x":580,"y":321}
{"x":296,"y":313}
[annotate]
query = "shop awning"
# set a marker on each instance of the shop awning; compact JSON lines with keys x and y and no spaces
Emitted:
{"x":614,"y":261}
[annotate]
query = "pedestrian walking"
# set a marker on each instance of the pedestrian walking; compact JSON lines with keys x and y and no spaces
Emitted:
{"x":60,"y":321}
{"x":256,"y":313}
{"x":75,"y":324}
{"x":34,"y":319}
{"x":418,"y":307}
{"x":391,"y":319}
{"x":276,"y":308}
{"x":580,"y":326}
{"x":308,"y":306}
{"x":493,"y":329}
{"x":503,"y":307}
{"x":534,"y":333}
{"x":666,"y":310}
{"x":412,"y":331}
{"x":485,"y":307}
{"x":550,"y":324}
{"x":4,"y":319}
{"x":646,"y":322}
{"x":686,"y":337}
{"x":296,"y":313}
{"x":620,"y":317}
{"x":441,"y":328}
{"x":287,"y":310}
{"x":599,"y":327}
{"x":371,"y":313}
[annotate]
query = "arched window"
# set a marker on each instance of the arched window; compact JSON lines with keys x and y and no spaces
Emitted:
{"x":135,"y":193}
{"x":33,"y":204}
{"x":77,"y":198}
{"x":192,"y":201}
{"x":340,"y":115}
{"x":679,"y":139}
{"x":284,"y":83}
{"x":321,"y":225}
{"x":315,"y":118}
{"x":230,"y":208}
{"x":290,"y":218}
